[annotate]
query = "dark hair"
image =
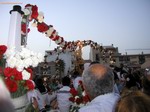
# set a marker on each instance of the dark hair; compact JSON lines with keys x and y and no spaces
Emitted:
{"x":146,"y":85}
{"x":66,"y":81}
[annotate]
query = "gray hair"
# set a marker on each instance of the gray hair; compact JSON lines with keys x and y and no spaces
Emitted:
{"x":96,"y":86}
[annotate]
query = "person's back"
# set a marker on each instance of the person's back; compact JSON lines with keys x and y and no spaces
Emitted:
{"x":98,"y":81}
{"x":63,"y":96}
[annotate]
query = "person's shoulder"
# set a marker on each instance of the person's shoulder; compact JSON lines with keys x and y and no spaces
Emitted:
{"x":89,"y":108}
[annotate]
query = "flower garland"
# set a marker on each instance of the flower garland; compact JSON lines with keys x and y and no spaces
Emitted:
{"x":31,"y":13}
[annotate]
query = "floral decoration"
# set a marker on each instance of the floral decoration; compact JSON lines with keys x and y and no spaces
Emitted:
{"x":78,"y":97}
{"x":18,"y":73}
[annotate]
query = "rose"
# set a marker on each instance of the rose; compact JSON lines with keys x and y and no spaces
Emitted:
{"x":11,"y":85}
{"x":3,"y":49}
{"x":25,"y":75}
{"x":34,"y":12}
{"x":73,"y":91}
{"x":29,"y":84}
{"x":72,"y":99}
{"x":13,"y":73}
{"x":42,"y":27}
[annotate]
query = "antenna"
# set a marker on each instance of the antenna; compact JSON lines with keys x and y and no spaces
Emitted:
{"x":9,"y":3}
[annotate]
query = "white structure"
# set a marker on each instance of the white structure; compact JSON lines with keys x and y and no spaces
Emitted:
{"x":14,"y":36}
{"x":67,"y":57}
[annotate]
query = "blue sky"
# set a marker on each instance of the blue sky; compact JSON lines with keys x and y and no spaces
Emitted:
{"x":124,"y":23}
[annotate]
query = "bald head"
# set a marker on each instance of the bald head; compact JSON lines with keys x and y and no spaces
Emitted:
{"x":98,"y":80}
{"x":98,"y":70}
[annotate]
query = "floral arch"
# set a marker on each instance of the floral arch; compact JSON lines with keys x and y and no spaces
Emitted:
{"x":31,"y":14}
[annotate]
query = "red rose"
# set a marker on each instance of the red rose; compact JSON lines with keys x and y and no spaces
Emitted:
{"x":24,"y":27}
{"x":30,"y":84}
{"x":73,"y":91}
{"x":8,"y":72}
{"x":3,"y":49}
{"x":42,"y":27}
{"x":34,"y":12}
{"x":17,"y":75}
{"x":72,"y":99}
{"x":86,"y":98}
{"x":11,"y":85}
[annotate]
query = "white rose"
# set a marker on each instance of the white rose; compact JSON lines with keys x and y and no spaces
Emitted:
{"x":25,"y":75}
{"x":26,"y":12}
{"x":11,"y":62}
{"x":19,"y":65}
{"x":28,"y":62}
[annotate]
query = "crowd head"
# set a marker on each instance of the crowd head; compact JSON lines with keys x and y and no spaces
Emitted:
{"x":98,"y":80}
{"x":134,"y":102}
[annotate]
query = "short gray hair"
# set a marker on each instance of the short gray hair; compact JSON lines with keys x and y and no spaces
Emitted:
{"x":97,"y":86}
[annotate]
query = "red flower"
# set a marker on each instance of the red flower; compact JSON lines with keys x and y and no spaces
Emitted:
{"x":34,"y":12}
{"x":42,"y":27}
{"x":30,"y":84}
{"x":8,"y":72}
{"x":72,"y":99}
{"x":24,"y":27}
{"x":73,"y":91}
{"x":86,"y":98}
{"x":17,"y":75}
{"x":3,"y":49}
{"x":11,"y":85}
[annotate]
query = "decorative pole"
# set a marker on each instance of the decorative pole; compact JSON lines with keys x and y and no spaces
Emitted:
{"x":14,"y":36}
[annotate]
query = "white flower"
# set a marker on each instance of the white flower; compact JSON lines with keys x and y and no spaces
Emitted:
{"x":11,"y":62}
{"x":19,"y":65}
{"x":83,"y":94}
{"x":76,"y":97}
{"x":10,"y":52}
{"x":24,"y":20}
{"x":28,"y":62}
{"x":26,"y":12}
{"x":22,"y":59}
{"x":25,"y":75}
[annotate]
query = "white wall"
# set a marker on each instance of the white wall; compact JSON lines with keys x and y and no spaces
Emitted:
{"x":67,"y":57}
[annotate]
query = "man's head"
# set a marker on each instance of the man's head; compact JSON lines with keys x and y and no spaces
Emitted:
{"x":66,"y":81}
{"x":98,"y":80}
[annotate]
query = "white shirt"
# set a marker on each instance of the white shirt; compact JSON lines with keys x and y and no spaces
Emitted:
{"x":76,"y":82}
{"x":63,"y":96}
{"x":36,"y":94}
{"x":102,"y":103}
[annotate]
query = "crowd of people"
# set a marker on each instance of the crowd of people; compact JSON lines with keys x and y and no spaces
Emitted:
{"x":109,"y":90}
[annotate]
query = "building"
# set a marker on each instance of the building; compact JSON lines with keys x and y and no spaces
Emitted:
{"x":134,"y":59}
{"x":109,"y":55}
{"x":67,"y":56}
{"x":46,"y":68}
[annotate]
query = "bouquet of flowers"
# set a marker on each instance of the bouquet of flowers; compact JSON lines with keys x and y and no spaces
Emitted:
{"x":78,"y":98}
{"x":18,"y":74}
